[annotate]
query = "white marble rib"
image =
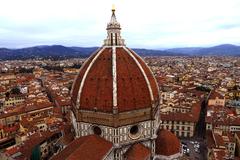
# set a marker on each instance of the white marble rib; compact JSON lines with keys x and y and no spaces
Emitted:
{"x":114,"y":74}
{"x":144,"y":74}
{"x":85,"y":75}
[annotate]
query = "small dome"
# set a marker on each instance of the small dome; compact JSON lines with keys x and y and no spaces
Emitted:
{"x":167,"y":143}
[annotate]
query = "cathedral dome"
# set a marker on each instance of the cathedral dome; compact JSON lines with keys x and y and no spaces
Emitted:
{"x":115,"y":96}
{"x":114,"y":79}
{"x":167,"y":143}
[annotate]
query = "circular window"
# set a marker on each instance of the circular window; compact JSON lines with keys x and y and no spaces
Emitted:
{"x":97,"y":130}
{"x":134,"y":130}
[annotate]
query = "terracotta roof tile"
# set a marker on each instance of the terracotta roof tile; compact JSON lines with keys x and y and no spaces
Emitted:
{"x":88,"y":147}
{"x":215,"y":94}
{"x":191,"y":116}
{"x":210,"y":140}
{"x":138,"y":152}
{"x":167,"y":143}
{"x":150,"y":76}
{"x":218,"y":140}
{"x":132,"y":88}
{"x":132,"y":92}
{"x":97,"y":89}
{"x":78,"y":80}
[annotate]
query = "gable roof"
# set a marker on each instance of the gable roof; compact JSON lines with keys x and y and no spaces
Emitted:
{"x":90,"y":147}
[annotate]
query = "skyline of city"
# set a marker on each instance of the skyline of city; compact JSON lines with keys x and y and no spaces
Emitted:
{"x":60,"y":103}
{"x":147,"y":24}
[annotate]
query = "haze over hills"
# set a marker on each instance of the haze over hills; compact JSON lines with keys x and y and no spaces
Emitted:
{"x":61,"y":52}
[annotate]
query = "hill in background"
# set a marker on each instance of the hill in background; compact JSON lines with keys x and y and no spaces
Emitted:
{"x":62,"y":52}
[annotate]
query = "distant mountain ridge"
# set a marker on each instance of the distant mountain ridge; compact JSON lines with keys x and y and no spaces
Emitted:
{"x":220,"y":50}
{"x":62,"y":52}
{"x":54,"y":51}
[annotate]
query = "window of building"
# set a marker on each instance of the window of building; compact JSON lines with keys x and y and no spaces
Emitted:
{"x":134,"y":130}
{"x":97,"y":130}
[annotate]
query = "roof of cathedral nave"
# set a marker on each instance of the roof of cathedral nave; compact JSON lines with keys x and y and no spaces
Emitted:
{"x":114,"y":77}
{"x":88,"y":147}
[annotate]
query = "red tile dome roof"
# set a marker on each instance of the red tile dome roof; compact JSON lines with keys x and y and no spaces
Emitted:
{"x":167,"y":143}
{"x":115,"y":77}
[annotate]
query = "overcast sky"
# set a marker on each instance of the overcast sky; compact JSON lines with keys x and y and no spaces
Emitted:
{"x":145,"y":23}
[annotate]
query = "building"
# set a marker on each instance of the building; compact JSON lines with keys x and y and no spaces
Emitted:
{"x":82,"y":148}
{"x":116,"y":96}
{"x":223,"y":118}
{"x":182,"y":124}
{"x":40,"y":145}
{"x":14,"y":100}
{"x":237,"y":147}
{"x":115,"y":101}
{"x":220,"y":145}
{"x":216,"y":99}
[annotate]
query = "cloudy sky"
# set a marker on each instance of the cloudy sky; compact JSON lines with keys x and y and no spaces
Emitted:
{"x":145,"y":23}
